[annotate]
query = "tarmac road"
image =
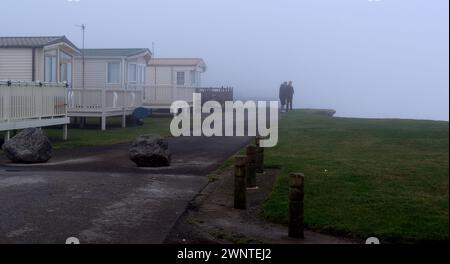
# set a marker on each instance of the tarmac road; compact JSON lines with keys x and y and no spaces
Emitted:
{"x":99,"y":196}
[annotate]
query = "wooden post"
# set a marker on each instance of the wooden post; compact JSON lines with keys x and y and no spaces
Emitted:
{"x":82,"y":122}
{"x":124,"y":119}
{"x":251,"y":166}
{"x":7,"y":136}
{"x":260,"y":160}
{"x":103,"y":118}
{"x":240,"y":191}
{"x":259,"y":156}
{"x":258,"y":141}
{"x":296,"y":207}
{"x":103,"y":122}
{"x":65,"y":132}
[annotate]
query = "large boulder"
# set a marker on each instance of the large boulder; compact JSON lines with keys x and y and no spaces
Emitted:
{"x":150,"y":151}
{"x":29,"y":146}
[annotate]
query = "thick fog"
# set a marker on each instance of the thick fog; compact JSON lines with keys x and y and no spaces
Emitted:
{"x":385,"y":58}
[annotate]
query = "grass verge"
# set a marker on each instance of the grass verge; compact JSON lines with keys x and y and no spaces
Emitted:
{"x":91,"y":135}
{"x":365,"y":177}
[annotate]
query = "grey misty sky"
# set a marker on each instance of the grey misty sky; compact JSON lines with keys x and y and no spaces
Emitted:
{"x":387,"y":58}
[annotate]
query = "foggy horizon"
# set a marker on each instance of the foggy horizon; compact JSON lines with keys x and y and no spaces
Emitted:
{"x":374,"y":59}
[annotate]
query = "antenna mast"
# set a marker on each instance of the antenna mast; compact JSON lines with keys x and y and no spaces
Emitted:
{"x":153,"y":49}
{"x":83,"y":29}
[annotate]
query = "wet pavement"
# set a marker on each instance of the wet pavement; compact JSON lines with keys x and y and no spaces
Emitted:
{"x":99,"y":196}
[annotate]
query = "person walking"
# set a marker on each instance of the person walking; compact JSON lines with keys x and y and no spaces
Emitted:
{"x":289,"y":96}
{"x":283,"y":98}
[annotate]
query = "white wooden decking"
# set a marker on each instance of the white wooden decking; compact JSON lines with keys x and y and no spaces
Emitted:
{"x":30,"y":104}
{"x":107,"y":102}
{"x":103,"y":103}
{"x":162,"y":96}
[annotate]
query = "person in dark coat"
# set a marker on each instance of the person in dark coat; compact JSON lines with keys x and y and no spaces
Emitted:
{"x":289,"y":96}
{"x":283,"y":95}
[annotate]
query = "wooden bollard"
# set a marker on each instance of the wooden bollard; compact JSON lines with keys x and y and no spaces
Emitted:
{"x":259,"y":156}
{"x":258,"y":141}
{"x":260,"y":160}
{"x":251,"y":166}
{"x":240,"y":190}
{"x":296,"y":206}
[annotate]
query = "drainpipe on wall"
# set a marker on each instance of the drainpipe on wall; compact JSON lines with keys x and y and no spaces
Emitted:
{"x":174,"y":87}
{"x":124,"y":74}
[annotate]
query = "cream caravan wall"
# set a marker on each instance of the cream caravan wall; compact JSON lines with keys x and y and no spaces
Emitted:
{"x":95,"y":76}
{"x":16,"y":64}
{"x":187,"y":74}
{"x":39,"y":64}
{"x":96,"y":72}
{"x":165,"y":75}
{"x":159,"y":75}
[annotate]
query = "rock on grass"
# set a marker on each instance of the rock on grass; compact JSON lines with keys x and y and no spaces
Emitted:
{"x":29,"y":146}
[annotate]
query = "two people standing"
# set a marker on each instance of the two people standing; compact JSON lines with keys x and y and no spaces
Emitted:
{"x":286,"y":96}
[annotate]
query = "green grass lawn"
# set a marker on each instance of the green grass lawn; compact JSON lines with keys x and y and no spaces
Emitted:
{"x":383,"y":178}
{"x":93,"y":136}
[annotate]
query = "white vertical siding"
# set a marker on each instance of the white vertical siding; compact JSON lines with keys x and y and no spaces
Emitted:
{"x":16,"y":64}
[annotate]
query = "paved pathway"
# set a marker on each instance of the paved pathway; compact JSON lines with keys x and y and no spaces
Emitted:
{"x":99,"y":196}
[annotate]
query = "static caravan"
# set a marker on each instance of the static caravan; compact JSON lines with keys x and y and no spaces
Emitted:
{"x":108,"y":82}
{"x":172,"y":79}
{"x":32,"y":70}
{"x":45,"y":59}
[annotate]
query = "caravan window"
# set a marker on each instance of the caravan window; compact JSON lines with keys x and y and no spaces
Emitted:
{"x":132,"y":73}
{"x":136,"y":73}
{"x":141,"y":74}
{"x":113,"y":72}
{"x":180,"y":78}
{"x":50,"y":69}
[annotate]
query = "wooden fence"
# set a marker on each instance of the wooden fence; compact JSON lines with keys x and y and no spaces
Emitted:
{"x":221,"y":94}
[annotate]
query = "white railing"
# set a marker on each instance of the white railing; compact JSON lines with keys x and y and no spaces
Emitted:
{"x":31,"y":101}
{"x":103,"y":99}
{"x":166,"y":94}
{"x":107,"y":99}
